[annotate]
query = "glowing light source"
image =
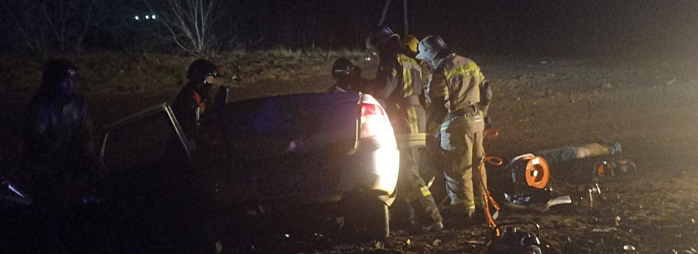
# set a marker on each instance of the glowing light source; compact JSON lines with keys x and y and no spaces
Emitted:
{"x":153,"y":16}
{"x":147,"y":17}
{"x":136,"y":17}
{"x":13,"y":189}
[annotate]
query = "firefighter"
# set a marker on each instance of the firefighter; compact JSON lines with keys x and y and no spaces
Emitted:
{"x":458,"y":111}
{"x":430,"y":162}
{"x":411,"y":45}
{"x":57,"y":150}
{"x":194,"y":102}
{"x":398,"y":85}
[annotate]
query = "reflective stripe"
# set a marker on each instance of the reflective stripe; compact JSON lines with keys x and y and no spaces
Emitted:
{"x":408,"y":62}
{"x":469,"y":70}
{"x":453,"y":122}
{"x":469,"y":204}
{"x":414,"y":122}
{"x":410,"y":140}
{"x":465,"y":72}
{"x":407,"y":80}
{"x":409,"y":67}
{"x":410,"y":137}
{"x":425,"y":191}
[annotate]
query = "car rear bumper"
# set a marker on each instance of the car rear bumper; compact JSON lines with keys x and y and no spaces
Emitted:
{"x":370,"y":167}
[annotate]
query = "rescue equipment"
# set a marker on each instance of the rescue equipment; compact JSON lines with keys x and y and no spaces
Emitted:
{"x":530,"y":170}
{"x":492,"y":160}
{"x":487,"y":197}
{"x":534,"y":199}
{"x":613,"y":168}
{"x":509,"y":239}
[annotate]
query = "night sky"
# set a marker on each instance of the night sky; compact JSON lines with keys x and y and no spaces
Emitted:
{"x":516,"y":27}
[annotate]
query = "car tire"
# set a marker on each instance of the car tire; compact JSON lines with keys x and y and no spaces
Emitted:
{"x":366,"y":218}
{"x":379,"y":220}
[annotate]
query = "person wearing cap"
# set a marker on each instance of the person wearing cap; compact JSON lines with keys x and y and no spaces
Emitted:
{"x":456,"y":116}
{"x":398,"y":84}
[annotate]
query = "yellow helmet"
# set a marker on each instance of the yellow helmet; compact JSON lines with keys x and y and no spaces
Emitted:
{"x":411,"y":43}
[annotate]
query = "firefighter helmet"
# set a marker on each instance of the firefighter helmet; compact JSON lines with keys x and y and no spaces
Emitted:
{"x":379,"y":39}
{"x":411,"y":43}
{"x":430,"y":47}
{"x":200,"y":69}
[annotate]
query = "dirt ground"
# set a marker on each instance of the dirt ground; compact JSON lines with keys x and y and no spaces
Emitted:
{"x":647,"y":106}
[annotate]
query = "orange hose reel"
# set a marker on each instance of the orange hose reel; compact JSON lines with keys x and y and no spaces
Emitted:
{"x":537,"y":172}
{"x":531,"y":170}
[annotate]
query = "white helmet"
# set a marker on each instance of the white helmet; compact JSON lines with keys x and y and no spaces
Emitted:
{"x":430,"y":47}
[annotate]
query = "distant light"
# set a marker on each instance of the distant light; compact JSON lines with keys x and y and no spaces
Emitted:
{"x":13,"y":189}
{"x":136,"y":17}
{"x":147,"y":17}
{"x":153,"y":16}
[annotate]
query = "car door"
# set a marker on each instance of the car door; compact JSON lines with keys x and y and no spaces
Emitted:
{"x":146,"y":183}
{"x":147,"y":137}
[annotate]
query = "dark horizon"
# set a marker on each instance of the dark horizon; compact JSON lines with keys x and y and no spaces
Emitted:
{"x":546,"y":27}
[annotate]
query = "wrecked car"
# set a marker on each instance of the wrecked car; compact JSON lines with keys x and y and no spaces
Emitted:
{"x":269,"y":155}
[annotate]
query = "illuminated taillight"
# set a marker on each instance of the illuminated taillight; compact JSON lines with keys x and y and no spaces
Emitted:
{"x":373,"y":120}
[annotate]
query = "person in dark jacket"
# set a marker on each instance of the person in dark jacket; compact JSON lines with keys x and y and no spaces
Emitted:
{"x":58,"y":148}
{"x":58,"y":130}
{"x":194,"y":102}
{"x":397,"y":85}
{"x":348,"y":77}
{"x":192,"y":107}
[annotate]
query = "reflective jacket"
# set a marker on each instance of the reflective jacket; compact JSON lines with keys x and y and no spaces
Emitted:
{"x":398,"y":86}
{"x":455,"y":84}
